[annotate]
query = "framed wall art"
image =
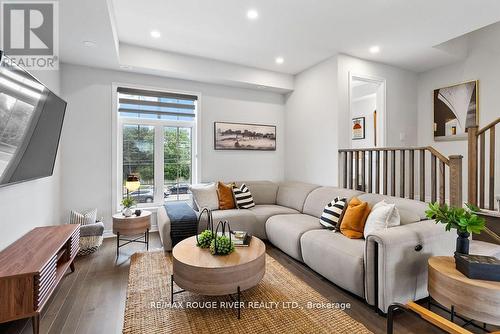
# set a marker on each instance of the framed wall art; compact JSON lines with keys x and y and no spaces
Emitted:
{"x":358,"y":128}
{"x":243,"y":136}
{"x":455,"y":109}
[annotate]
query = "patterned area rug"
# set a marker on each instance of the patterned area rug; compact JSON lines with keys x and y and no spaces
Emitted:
{"x":281,"y":303}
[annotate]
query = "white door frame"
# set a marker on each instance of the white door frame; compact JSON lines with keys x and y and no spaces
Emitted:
{"x":381,"y":100}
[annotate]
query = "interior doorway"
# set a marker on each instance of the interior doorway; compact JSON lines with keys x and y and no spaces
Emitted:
{"x":367,"y":111}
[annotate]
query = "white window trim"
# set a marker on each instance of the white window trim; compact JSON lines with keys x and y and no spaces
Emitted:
{"x":116,"y":140}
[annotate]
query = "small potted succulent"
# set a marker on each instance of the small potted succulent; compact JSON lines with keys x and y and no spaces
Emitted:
{"x":222,"y":245}
{"x":205,"y":239}
{"x":464,"y":220}
{"x":218,"y":244}
{"x":127,"y":204}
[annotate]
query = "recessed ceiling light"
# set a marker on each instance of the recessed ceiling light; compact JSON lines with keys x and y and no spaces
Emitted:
{"x":375,"y":49}
{"x":155,"y":34}
{"x":279,"y":60}
{"x":89,"y":44}
{"x":252,"y":14}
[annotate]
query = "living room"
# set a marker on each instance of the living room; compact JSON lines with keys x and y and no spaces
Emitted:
{"x":162,"y":110}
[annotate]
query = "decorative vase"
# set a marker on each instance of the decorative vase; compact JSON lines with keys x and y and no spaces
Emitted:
{"x":463,"y":242}
{"x":127,"y":212}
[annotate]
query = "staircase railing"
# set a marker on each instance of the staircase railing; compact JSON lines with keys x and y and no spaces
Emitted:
{"x":477,"y":162}
{"x":375,"y":170}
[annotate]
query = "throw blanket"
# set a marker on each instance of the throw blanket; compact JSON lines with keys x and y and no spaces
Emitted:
{"x":183,"y":221}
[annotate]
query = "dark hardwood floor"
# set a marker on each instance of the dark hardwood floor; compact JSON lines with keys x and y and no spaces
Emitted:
{"x":92,"y":300}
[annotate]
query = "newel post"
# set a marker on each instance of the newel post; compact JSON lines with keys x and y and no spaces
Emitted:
{"x":456,"y":180}
{"x":472,"y":165}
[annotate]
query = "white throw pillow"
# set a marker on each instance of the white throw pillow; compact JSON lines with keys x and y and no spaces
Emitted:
{"x":83,"y":218}
{"x":382,"y":216}
{"x":205,"y":196}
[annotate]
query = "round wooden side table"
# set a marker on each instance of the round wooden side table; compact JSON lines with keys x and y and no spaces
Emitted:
{"x":472,"y":298}
{"x":133,"y":226}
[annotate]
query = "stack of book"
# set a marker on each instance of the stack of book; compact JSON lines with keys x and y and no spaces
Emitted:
{"x":241,"y":238}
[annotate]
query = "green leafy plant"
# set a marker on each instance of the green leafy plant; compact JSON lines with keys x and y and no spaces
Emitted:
{"x":224,"y":246}
{"x":462,"y":219}
{"x":128,"y":202}
{"x":205,"y":239}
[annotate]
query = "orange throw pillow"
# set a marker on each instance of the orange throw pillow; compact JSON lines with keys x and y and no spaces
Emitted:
{"x":225,"y":193}
{"x":354,"y":219}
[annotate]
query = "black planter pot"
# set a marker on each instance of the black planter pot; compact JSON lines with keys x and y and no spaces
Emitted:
{"x":463,"y":242}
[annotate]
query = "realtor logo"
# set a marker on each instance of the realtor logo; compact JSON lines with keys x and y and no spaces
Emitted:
{"x":29,"y":33}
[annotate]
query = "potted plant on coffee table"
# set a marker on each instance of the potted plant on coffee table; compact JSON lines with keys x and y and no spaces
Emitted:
{"x":464,"y":220}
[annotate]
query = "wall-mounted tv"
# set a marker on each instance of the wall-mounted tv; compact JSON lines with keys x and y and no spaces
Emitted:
{"x":31,"y":119}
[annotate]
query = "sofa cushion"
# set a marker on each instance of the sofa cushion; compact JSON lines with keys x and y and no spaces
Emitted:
{"x":484,"y":248}
{"x":332,"y":213}
{"x":284,"y":232}
{"x":226,"y":197}
{"x":294,"y":194}
{"x":320,"y":197}
{"x":205,"y":196}
{"x":244,"y":220}
{"x":354,"y":219}
{"x":410,"y":210}
{"x":335,"y":257}
{"x":264,"y":211}
{"x":263,"y":192}
{"x":243,"y":197}
{"x":382,"y":216}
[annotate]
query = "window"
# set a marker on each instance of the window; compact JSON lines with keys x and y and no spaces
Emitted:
{"x":156,"y":132}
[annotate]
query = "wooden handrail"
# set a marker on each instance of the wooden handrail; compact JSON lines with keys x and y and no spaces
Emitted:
{"x":381,"y":149}
{"x":489,"y":126}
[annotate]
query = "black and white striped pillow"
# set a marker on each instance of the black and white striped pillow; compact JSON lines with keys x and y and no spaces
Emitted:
{"x":243,"y":197}
{"x":332,"y":213}
{"x":85,"y":218}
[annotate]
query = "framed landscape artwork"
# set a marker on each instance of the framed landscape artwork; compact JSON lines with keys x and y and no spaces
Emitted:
{"x":358,"y":128}
{"x":455,"y":109}
{"x":241,"y":136}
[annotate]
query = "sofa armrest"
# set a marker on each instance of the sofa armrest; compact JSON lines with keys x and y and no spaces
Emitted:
{"x":92,"y":230}
{"x":400,"y":255}
{"x":164,"y":226}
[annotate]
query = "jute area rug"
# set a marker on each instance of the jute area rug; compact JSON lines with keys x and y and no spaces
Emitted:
{"x":281,"y":303}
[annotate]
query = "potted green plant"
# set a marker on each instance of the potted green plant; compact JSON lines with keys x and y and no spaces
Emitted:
{"x":464,"y":220}
{"x":127,"y":204}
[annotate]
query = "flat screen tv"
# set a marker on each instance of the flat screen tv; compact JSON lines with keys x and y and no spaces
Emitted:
{"x":31,"y":119}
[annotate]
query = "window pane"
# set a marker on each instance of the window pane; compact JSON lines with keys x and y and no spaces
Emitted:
{"x":177,"y":163}
{"x":138,"y":158}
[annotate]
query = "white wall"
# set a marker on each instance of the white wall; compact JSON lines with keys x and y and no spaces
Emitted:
{"x":34,"y":203}
{"x":483,"y":64}
{"x":312,"y":126}
{"x":87,"y":139}
{"x":401,"y":99}
{"x":318,"y":118}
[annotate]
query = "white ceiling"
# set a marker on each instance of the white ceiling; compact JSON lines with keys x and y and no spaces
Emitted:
{"x":303,"y":32}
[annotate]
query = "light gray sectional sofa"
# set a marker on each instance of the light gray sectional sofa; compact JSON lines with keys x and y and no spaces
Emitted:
{"x":389,"y":266}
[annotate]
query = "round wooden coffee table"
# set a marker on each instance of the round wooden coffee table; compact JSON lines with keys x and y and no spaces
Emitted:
{"x":472,"y":298}
{"x":196,"y":270}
